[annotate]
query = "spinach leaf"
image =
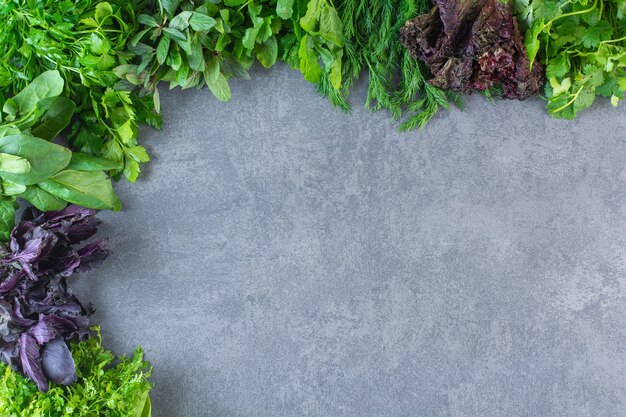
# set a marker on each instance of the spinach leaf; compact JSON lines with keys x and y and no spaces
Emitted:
{"x":91,"y":189}
{"x":44,"y":158}
{"x":43,"y":173}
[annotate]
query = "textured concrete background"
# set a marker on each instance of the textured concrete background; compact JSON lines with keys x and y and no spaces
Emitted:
{"x":282,"y":259}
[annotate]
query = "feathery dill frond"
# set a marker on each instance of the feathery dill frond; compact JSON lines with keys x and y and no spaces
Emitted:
{"x":397,"y":83}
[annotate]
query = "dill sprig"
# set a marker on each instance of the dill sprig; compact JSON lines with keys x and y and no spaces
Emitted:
{"x":397,"y":82}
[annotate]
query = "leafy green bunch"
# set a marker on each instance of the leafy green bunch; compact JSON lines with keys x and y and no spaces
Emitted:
{"x":583,"y":44}
{"x":397,"y":82}
{"x":47,"y":175}
{"x":107,"y":386}
{"x":84,"y":40}
{"x":195,"y":44}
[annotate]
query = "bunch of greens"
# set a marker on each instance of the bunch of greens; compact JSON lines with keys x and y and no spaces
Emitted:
{"x":45,"y":174}
{"x":396,"y":81}
{"x":193,"y":45}
{"x":583,"y":45}
{"x":84,"y":40}
{"x":38,"y":313}
{"x":473,"y":45}
{"x":106,"y":386}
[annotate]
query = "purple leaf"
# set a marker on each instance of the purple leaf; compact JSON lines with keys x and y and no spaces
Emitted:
{"x":31,"y":362}
{"x":58,"y":363}
{"x":49,"y":327}
{"x":473,"y":45}
{"x":38,"y":312}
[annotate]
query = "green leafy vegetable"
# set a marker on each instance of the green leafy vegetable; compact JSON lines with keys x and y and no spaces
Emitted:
{"x":43,"y":173}
{"x":583,"y":45}
{"x":84,"y":40}
{"x":107,"y":386}
{"x":207,"y":44}
{"x":397,"y":82}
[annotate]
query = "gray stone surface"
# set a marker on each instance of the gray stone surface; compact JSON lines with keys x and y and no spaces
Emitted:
{"x":279,"y":258}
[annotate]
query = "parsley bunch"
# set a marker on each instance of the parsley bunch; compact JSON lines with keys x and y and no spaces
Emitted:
{"x":583,"y":44}
{"x":107,"y":386}
{"x":84,"y":40}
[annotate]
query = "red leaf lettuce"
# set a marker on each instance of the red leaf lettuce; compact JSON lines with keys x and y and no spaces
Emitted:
{"x":473,"y":45}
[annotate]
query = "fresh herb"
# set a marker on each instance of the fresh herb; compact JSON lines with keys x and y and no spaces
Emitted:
{"x":583,"y":45}
{"x":84,"y":40}
{"x":45,"y":174}
{"x":190,"y":45}
{"x":38,"y":313}
{"x":396,"y":81}
{"x":473,"y":45}
{"x":106,"y":386}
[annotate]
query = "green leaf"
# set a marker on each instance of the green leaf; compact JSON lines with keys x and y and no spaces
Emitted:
{"x":200,"y":22}
{"x":11,"y":188}
{"x":113,"y":150}
{"x":162,"y":49}
{"x":169,"y":6}
{"x":267,"y":52}
{"x":584,"y":99}
{"x":144,"y":19}
{"x":131,"y":170}
{"x":11,"y":109}
{"x":13,"y":164}
{"x":180,"y":21}
{"x":144,"y":405}
{"x":41,"y":199}
{"x":249,"y":38}
{"x":212,"y":70}
{"x":309,"y":65}
{"x":557,"y":67}
{"x":310,"y":19}
{"x":219,"y":87}
{"x":85,"y":162}
{"x":55,"y":119}
{"x":45,"y":158}
{"x":284,"y":8}
{"x":531,"y":41}
{"x":127,"y":132}
{"x":196,"y":58}
{"x":91,"y":189}
{"x":7,"y":217}
{"x":335,"y":74}
{"x":156,"y":100}
{"x":48,"y":84}
{"x":235,"y":68}
{"x":331,"y":27}
{"x":103,"y":10}
{"x":175,"y":34}
{"x":99,"y":45}
{"x":138,"y":153}
{"x":595,"y":34}
{"x":561,"y":87}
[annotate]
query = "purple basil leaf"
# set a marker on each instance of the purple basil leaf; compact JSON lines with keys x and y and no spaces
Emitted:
{"x":58,"y":363}
{"x":5,"y":318}
{"x":38,"y":312}
{"x":92,"y":254}
{"x":18,"y":316}
{"x":49,"y":327}
{"x":11,"y":280}
{"x":31,"y":361}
